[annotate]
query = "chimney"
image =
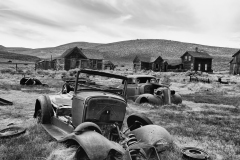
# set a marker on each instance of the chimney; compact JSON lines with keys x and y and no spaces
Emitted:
{"x":196,"y":49}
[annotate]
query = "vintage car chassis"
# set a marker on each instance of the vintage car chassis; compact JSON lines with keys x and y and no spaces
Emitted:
{"x":66,"y":118}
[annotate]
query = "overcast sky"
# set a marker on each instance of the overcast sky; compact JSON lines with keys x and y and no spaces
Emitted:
{"x":49,"y":23}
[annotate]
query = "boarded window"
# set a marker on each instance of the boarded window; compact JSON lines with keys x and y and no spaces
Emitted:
{"x":205,"y":67}
{"x":199,"y":67}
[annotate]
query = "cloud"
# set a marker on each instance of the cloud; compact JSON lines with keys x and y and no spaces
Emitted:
{"x":54,"y":22}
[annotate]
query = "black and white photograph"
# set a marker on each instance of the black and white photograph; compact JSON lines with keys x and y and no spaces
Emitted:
{"x":119,"y":80}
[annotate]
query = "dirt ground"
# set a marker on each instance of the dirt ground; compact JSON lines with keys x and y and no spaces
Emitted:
{"x":23,"y":98}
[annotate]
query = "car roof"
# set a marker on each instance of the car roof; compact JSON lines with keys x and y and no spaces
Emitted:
{"x":140,"y":76}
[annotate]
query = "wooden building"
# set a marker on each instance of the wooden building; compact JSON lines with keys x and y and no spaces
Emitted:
{"x":108,"y":65}
{"x":148,"y":63}
{"x":197,"y":60}
{"x":235,"y":64}
{"x":173,"y":64}
{"x":74,"y":58}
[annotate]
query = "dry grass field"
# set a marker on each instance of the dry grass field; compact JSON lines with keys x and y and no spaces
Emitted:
{"x":209,"y":117}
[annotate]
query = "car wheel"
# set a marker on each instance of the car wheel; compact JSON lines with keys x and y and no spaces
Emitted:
{"x":135,"y":121}
{"x":39,"y":116}
{"x":144,"y":100}
{"x":81,"y":154}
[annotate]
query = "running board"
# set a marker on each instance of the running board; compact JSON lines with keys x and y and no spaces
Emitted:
{"x":58,"y":129}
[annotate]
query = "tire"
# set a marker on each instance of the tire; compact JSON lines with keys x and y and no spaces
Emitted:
{"x":23,"y":80}
{"x":192,"y":153}
{"x":81,"y":154}
{"x":135,"y":121}
{"x":144,"y":100}
{"x":43,"y":110}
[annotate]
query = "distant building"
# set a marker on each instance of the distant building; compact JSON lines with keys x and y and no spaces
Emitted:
{"x":74,"y":58}
{"x":235,"y":64}
{"x":197,"y":60}
{"x":108,"y":65}
{"x":173,"y":64}
{"x":148,"y":63}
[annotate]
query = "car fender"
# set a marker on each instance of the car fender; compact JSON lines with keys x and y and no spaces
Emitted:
{"x":94,"y":144}
{"x":176,"y":98}
{"x":43,"y":102}
{"x":153,"y":134}
{"x":151,"y":99}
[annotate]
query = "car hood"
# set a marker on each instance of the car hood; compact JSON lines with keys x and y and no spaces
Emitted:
{"x":61,"y":99}
{"x":88,"y":94}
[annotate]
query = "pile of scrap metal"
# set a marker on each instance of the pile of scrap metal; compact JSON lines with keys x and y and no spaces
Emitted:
{"x":5,"y":102}
{"x":31,"y":81}
{"x":199,"y":79}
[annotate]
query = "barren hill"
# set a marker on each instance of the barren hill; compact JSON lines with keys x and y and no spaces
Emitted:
{"x":56,"y":51}
{"x":6,"y":56}
{"x":125,"y":51}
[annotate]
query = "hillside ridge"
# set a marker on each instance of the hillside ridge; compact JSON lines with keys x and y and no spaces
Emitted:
{"x":125,"y":51}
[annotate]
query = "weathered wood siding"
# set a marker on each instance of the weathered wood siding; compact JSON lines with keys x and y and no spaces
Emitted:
{"x":188,"y":61}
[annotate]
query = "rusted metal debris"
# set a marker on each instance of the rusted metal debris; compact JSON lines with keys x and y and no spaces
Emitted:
{"x":12,"y":132}
{"x":31,"y":81}
{"x":5,"y":102}
{"x":199,"y":79}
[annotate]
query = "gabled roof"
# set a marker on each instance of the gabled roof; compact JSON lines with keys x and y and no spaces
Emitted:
{"x":199,"y":54}
{"x":147,"y":59}
{"x":173,"y":62}
{"x":70,"y":50}
{"x":236,"y":53}
{"x":92,"y":54}
{"x":233,"y":61}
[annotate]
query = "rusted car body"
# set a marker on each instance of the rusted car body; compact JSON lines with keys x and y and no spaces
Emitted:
{"x":147,"y":89}
{"x":92,"y":116}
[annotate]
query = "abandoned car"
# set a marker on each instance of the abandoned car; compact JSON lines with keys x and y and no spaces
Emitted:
{"x":147,"y":89}
{"x":92,"y":116}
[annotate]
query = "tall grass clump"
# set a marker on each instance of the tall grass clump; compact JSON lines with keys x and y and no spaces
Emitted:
{"x":8,"y":70}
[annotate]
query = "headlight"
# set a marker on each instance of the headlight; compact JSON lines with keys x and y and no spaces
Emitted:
{"x":161,"y":145}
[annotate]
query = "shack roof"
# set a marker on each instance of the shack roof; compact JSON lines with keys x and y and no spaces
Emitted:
{"x":147,"y":58}
{"x":92,"y":54}
{"x":70,"y":50}
{"x":173,"y":62}
{"x":198,"y":54}
{"x":236,"y":53}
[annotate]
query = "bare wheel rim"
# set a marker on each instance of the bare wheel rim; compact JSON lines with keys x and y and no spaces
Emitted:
{"x":39,"y":116}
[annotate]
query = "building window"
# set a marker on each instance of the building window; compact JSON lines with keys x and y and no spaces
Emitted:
{"x":191,"y":65}
{"x":157,"y":66}
{"x":205,"y":67}
{"x":189,"y":58}
{"x":199,"y":67}
{"x":186,"y":57}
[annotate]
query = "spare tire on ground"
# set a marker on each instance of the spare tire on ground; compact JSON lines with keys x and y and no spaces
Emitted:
{"x":31,"y":81}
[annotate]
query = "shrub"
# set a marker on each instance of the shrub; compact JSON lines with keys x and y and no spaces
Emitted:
{"x":8,"y":70}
